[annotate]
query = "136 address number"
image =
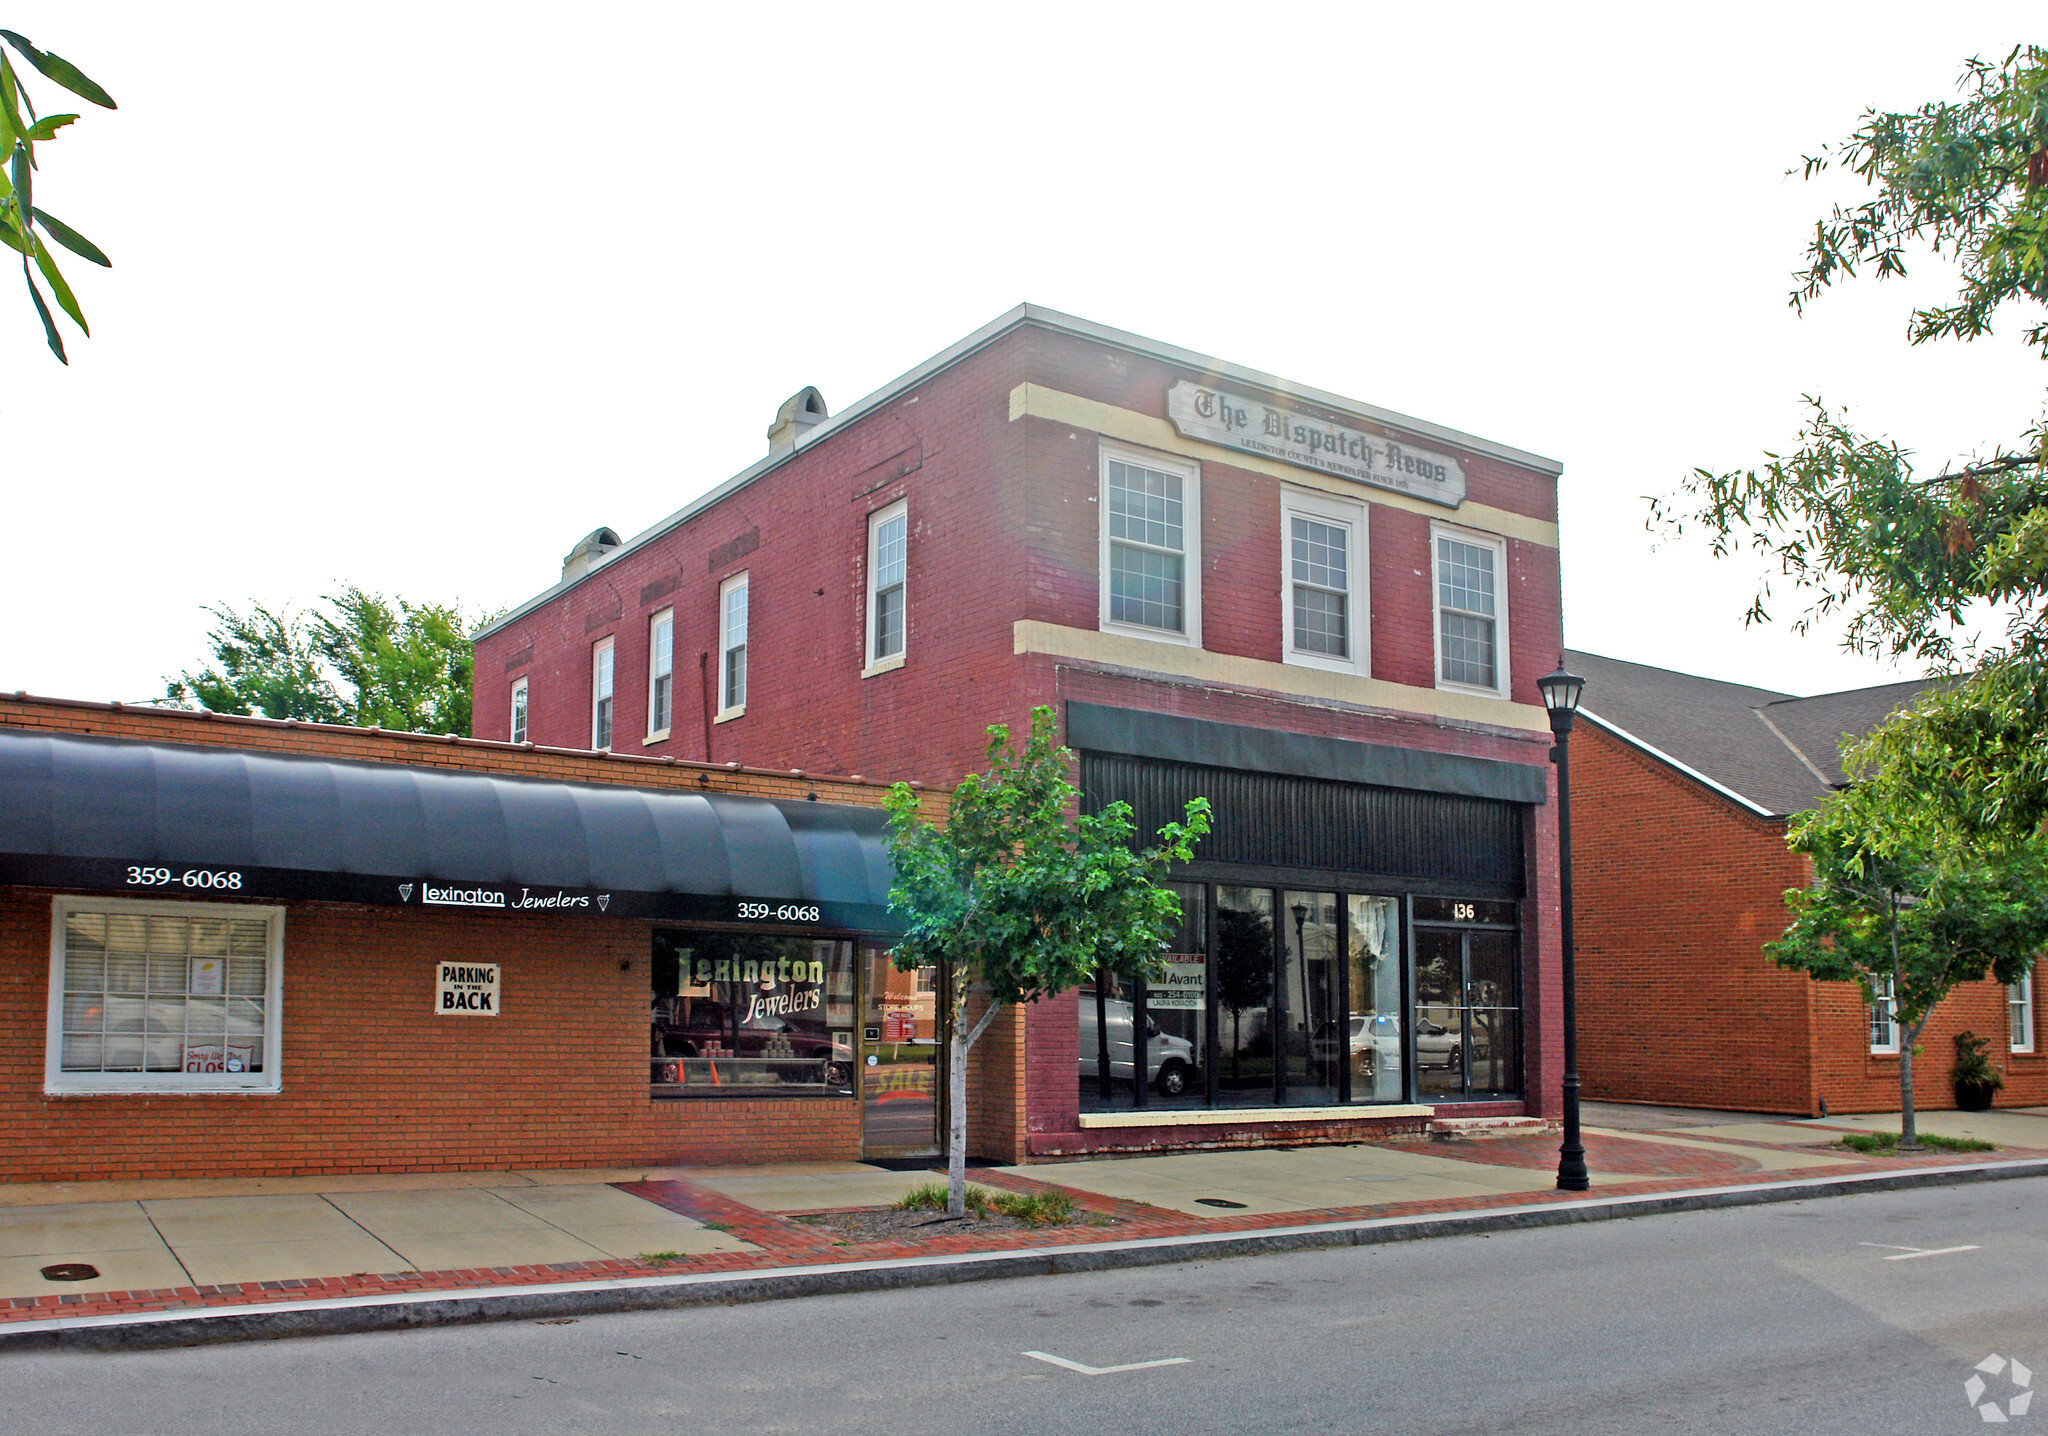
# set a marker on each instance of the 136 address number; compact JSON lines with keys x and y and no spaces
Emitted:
{"x":191,"y":878}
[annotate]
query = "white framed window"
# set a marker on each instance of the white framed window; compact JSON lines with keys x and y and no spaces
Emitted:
{"x":1151,"y":548}
{"x":2019,"y":1013}
{"x":732,"y":646}
{"x":1884,"y":1018}
{"x":519,"y":711}
{"x":888,"y":610}
{"x":661,"y":674}
{"x":163,"y":996}
{"x":601,"y":694}
{"x":1469,"y":573}
{"x":1324,"y":614}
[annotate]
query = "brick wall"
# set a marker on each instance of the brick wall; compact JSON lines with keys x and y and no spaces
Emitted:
{"x":1676,"y":891}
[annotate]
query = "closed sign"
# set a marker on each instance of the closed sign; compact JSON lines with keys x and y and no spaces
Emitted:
{"x":466,"y":989}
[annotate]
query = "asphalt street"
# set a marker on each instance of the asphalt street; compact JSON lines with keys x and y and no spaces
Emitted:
{"x":1859,"y":1314}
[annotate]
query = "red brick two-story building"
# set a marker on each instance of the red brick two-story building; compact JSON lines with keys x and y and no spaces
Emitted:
{"x":1326,"y":618}
{"x":1682,"y":791}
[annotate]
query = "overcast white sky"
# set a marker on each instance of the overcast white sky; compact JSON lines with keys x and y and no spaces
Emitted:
{"x":413,"y":296}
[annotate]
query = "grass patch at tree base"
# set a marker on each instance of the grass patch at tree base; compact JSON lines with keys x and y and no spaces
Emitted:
{"x":1873,"y":1144}
{"x":1040,"y":1209}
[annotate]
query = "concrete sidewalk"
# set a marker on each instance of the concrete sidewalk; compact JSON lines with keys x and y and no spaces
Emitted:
{"x":477,"y":1245}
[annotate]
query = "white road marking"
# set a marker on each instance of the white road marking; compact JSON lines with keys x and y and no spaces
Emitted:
{"x":1900,"y":1253}
{"x":1050,"y":1359}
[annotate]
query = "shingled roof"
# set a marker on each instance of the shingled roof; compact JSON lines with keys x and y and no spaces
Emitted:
{"x":1772,"y":752}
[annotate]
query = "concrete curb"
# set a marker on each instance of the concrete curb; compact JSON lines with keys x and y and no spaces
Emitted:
{"x":274,"y":1320}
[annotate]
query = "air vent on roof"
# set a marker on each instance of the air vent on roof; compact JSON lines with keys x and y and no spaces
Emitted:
{"x":799,"y":412}
{"x":592,"y":547}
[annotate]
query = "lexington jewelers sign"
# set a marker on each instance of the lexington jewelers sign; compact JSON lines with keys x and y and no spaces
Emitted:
{"x":1216,"y":416}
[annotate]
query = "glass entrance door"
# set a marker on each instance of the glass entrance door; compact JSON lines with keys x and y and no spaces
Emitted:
{"x":898,"y":1042}
{"x":1468,"y":1031}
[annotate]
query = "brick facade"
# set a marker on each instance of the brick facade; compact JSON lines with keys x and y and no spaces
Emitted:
{"x":1676,"y":889}
{"x":373,"y":1081}
{"x":1002,"y":569}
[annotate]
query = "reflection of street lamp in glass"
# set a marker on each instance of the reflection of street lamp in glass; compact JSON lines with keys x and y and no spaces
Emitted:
{"x":1561,"y":692}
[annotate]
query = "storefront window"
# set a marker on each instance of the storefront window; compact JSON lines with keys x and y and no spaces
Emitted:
{"x":750,"y":1014}
{"x":1375,"y":1018}
{"x":165,"y":996}
{"x":1175,"y":1024}
{"x":1312,"y":1046}
{"x":1244,"y":995}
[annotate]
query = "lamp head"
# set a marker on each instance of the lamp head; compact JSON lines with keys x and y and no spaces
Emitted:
{"x":1561,"y":692}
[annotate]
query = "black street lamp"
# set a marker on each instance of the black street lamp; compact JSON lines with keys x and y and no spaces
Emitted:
{"x":1561,"y":692}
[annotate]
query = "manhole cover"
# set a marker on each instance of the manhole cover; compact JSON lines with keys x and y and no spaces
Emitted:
{"x":1218,"y":1202}
{"x":70,"y":1271}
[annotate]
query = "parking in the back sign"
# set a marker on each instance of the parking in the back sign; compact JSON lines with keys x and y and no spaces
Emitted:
{"x":466,"y":989}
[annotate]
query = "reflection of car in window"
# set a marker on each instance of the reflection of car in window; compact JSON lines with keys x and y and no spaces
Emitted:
{"x":1364,"y":1052}
{"x":1170,"y":1060}
{"x":1437,"y":1045}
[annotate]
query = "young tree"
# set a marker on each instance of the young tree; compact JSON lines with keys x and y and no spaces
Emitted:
{"x":1021,"y":897}
{"x":20,"y":132}
{"x":1907,"y":905}
{"x":360,"y":659}
{"x":1849,"y":521}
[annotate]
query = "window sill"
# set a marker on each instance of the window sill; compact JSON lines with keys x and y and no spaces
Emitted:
{"x":727,"y":715}
{"x":1327,"y":665}
{"x":1156,"y":635}
{"x":883,"y":665}
{"x":1442,"y":686}
{"x":136,"y":1089}
{"x":660,"y":736}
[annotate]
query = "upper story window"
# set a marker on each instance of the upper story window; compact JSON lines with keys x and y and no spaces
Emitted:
{"x":1884,"y":1021}
{"x":732,"y":646}
{"x":1151,"y":545}
{"x":519,"y":711}
{"x":1471,"y":634}
{"x":1323,"y":583}
{"x":661,"y":673}
{"x":2019,"y":1010}
{"x":601,"y":694}
{"x":888,"y":542}
{"x":163,"y":996}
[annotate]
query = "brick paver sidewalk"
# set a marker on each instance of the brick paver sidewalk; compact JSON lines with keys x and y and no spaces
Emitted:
{"x":783,"y":1241}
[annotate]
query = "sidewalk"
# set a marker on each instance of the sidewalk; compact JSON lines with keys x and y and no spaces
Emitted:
{"x":408,"y":1249}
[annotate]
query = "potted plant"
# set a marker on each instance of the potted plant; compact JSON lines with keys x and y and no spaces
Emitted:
{"x":1975,"y":1079}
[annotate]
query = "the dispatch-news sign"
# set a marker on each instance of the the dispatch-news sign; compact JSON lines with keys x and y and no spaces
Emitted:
{"x":466,"y":989}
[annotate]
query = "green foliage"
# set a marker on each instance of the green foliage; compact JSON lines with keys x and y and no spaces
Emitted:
{"x":361,"y":659}
{"x":1973,"y":1066}
{"x":1873,"y":1144}
{"x":1900,"y":897}
{"x":1019,"y":892}
{"x":1845,"y":516}
{"x":21,"y":130}
{"x":1038,"y":1209}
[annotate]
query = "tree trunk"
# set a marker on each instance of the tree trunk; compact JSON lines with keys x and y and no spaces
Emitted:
{"x":957,"y":1048}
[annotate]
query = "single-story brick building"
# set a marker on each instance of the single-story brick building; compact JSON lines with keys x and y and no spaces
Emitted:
{"x":1682,"y":791}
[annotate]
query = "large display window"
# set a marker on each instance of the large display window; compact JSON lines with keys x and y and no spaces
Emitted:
{"x":1275,"y":996}
{"x":750,"y":1014}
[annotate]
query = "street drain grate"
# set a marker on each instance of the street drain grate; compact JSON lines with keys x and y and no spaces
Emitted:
{"x":70,"y":1271}
{"x":1218,"y":1202}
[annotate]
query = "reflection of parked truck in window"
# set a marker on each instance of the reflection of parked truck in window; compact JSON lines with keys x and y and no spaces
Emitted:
{"x":1169,"y":1060}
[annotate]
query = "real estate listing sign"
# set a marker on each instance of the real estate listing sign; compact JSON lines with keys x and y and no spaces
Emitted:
{"x":1183,"y":986}
{"x":1254,"y":426}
